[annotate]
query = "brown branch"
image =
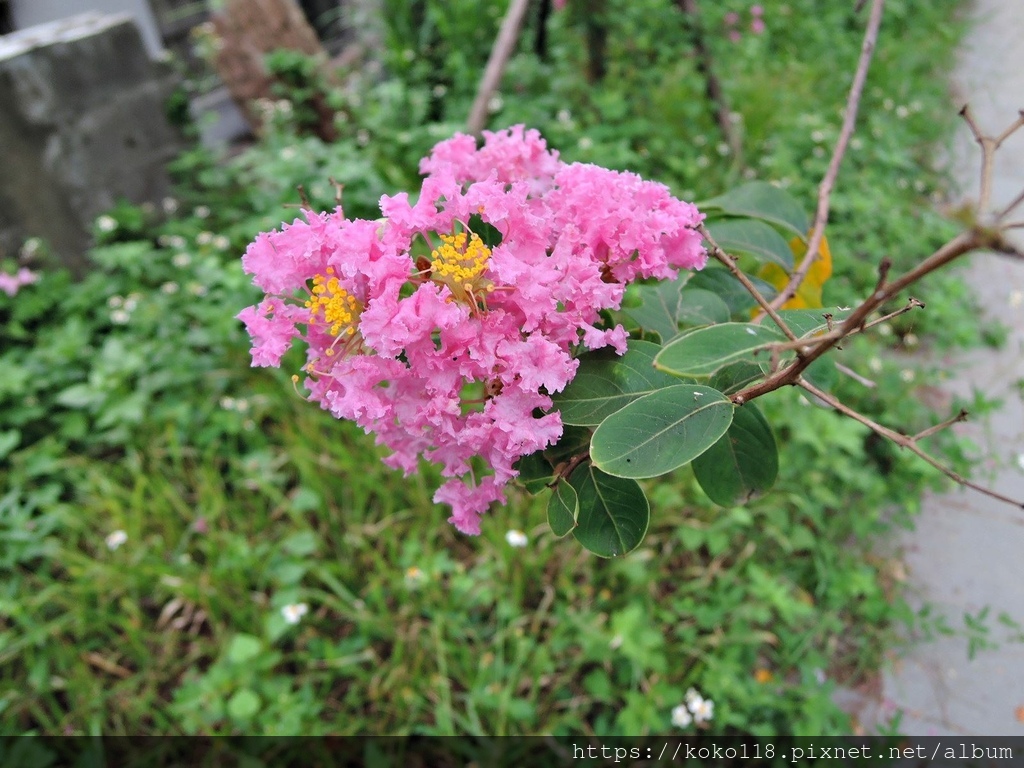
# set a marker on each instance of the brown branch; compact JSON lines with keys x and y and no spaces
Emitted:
{"x":962,"y":416}
{"x":903,"y":442}
{"x":730,"y":263}
{"x":989,"y":145}
{"x":715,"y":92}
{"x":504,"y":44}
{"x":828,"y":182}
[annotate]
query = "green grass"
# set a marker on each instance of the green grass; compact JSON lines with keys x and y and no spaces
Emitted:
{"x":234,"y":511}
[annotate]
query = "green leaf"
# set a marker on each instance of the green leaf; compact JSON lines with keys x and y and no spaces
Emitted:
{"x":732,"y":378}
{"x":613,"y":512}
{"x":9,"y":440}
{"x":244,"y":648}
{"x":534,"y":472}
{"x":761,"y":200}
{"x":574,"y":441}
{"x":80,"y":396}
{"x":244,"y":704}
{"x":661,"y":431}
{"x":563,"y":507}
{"x":743,"y":463}
{"x":658,"y":309}
{"x":705,"y":350}
{"x":821,"y":373}
{"x":700,"y":307}
{"x":721,"y":282}
{"x":752,"y":237}
{"x":606,"y":382}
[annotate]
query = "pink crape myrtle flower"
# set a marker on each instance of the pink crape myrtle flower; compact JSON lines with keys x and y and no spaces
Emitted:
{"x":445,"y":326}
{"x":11,"y":284}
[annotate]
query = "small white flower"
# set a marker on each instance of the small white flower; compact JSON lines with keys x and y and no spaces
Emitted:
{"x":362,"y":137}
{"x":817,"y":136}
{"x":818,"y":151}
{"x":176,"y":241}
{"x":204,"y":238}
{"x":409,"y":54}
{"x":902,"y":112}
{"x":169,"y":287}
{"x":585,"y":142}
{"x":516,"y":539}
{"x":439,"y":91}
{"x":221,"y":243}
{"x":106,"y":223}
{"x":703,"y":161}
{"x":197,"y":289}
{"x":130,"y":303}
{"x":681,"y":717}
{"x":181,"y":260}
{"x":116,"y":539}
{"x":907,"y":375}
{"x":910,"y":340}
{"x":120,"y":317}
{"x":723,"y":149}
{"x":414,"y":577}
{"x":564,"y":116}
{"x":241,"y":405}
{"x":170,"y":205}
{"x":31,"y":247}
{"x":703,"y":710}
{"x":875,"y":364}
{"x":691,"y":696}
{"x":616,"y":642}
{"x":114,"y":302}
{"x":293,"y":612}
{"x":856,"y":143}
{"x":201,"y":211}
{"x":288,"y":153}
{"x":495,"y":104}
{"x":888,"y":104}
{"x":227,"y":403}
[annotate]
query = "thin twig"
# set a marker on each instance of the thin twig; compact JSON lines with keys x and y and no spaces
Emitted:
{"x":962,"y":416}
{"x":504,"y":44}
{"x":989,"y":145}
{"x":856,"y":376}
{"x":903,"y":441}
{"x":828,"y":182}
{"x":730,"y":264}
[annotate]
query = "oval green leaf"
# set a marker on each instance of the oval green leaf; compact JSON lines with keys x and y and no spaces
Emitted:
{"x":732,"y":378}
{"x":804,"y":322}
{"x":721,"y":282}
{"x":606,"y":382}
{"x":752,"y":237}
{"x":613,"y":512}
{"x":761,"y":200}
{"x":658,"y":308}
{"x":700,"y":307}
{"x":534,"y":472}
{"x":563,"y":507}
{"x":661,"y":431}
{"x":701,"y":353}
{"x":743,"y":464}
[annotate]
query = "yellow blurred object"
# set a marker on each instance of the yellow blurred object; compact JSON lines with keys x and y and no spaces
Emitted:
{"x":808,"y":295}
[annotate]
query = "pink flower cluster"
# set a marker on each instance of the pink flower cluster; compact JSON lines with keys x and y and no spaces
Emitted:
{"x":11,"y":284}
{"x":445,"y":326}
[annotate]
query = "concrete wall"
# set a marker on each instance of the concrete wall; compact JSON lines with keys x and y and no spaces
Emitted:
{"x":30,"y":13}
{"x":82,"y":124}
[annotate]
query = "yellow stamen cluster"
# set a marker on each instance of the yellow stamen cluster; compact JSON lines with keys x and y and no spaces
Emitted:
{"x":458,"y":263}
{"x":338,"y":307}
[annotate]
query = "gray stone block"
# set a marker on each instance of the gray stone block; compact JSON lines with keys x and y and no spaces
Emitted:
{"x":82,"y":124}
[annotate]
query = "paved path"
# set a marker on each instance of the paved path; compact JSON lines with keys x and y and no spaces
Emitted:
{"x":967,"y":551}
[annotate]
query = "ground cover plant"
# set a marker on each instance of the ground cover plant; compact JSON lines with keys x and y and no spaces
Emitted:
{"x":188,"y":547}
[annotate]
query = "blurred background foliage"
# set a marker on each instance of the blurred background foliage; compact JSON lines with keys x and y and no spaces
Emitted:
{"x":127,"y":404}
